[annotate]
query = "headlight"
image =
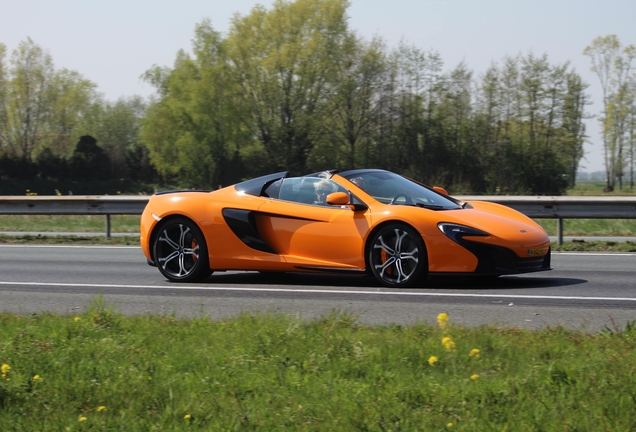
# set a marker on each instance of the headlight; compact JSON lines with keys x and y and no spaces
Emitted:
{"x":456,"y":232}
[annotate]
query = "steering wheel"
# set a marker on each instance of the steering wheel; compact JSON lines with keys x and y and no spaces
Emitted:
{"x":407,"y":199}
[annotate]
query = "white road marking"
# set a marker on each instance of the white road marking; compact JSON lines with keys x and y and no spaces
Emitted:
{"x":316,"y":291}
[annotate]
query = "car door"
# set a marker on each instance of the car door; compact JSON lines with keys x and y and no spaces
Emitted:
{"x":307,"y":233}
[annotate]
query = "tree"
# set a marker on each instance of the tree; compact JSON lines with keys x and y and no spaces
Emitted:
{"x":194,"y":131}
{"x":28,"y":99}
{"x":285,"y":62}
{"x":613,"y":66}
{"x":4,"y":102}
{"x":632,"y":137}
{"x":89,"y":162}
{"x":353,"y":105}
{"x":71,"y":96}
{"x":573,"y":116}
{"x":458,"y":119}
{"x":39,"y":106}
{"x":529,"y":124}
{"x":117,"y":129}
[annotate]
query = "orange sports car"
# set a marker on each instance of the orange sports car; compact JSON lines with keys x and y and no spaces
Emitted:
{"x":367,"y":222}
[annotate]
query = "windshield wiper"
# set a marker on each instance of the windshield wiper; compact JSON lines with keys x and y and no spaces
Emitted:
{"x":430,"y":206}
{"x":422,"y":205}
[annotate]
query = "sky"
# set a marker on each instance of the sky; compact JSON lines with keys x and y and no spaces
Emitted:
{"x":112,"y":43}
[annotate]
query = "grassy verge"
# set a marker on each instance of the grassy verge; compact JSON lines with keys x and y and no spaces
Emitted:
{"x":68,"y":223}
{"x":596,"y":189}
{"x":595,"y":246}
{"x":103,"y":371}
{"x":591,"y":227}
{"x":70,"y":240}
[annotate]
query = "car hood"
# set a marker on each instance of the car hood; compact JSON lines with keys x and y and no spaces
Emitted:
{"x":502,"y":223}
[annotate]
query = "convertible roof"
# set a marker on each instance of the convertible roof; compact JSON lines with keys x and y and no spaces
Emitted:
{"x":359,"y":171}
{"x":256,"y":186}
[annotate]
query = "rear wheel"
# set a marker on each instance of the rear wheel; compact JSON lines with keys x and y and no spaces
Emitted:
{"x":180,"y":251}
{"x":397,"y":256}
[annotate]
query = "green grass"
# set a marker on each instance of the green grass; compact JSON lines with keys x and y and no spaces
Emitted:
{"x":103,"y":371}
{"x":64,"y":223}
{"x":596,"y":188}
{"x":70,"y":240}
{"x":594,"y":246}
{"x":591,"y":227}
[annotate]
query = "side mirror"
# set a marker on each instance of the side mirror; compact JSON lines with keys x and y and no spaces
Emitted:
{"x":343,"y":199}
{"x":337,"y":199}
{"x":440,"y":190}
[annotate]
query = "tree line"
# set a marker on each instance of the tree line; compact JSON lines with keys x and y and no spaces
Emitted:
{"x":55,"y":125}
{"x":293,"y":88}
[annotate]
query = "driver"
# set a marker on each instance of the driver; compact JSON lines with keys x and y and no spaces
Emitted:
{"x":359,"y":181}
{"x":323,"y":188}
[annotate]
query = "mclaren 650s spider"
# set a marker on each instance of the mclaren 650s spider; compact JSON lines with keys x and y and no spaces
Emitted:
{"x":368,"y":222}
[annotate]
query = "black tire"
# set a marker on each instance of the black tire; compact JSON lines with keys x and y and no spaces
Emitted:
{"x":397,"y":257}
{"x":180,"y":251}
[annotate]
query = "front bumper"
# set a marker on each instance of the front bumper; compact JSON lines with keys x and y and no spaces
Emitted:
{"x":497,"y":260}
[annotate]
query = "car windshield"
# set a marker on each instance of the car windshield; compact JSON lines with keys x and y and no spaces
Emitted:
{"x":391,"y":188}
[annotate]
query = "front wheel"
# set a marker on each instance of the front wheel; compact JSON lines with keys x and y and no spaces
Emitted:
{"x":397,"y":256}
{"x":180,"y":251}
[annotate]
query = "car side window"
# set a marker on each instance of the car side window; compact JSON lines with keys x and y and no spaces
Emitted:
{"x":308,"y":190}
{"x":273,"y":190}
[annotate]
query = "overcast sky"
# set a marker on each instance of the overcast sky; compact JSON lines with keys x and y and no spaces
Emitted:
{"x":113,"y":42}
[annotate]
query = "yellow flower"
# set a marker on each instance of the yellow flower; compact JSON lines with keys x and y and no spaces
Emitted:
{"x":101,"y":408}
{"x":187,"y":417}
{"x":448,"y":343}
{"x":442,"y":319}
{"x":77,"y":319}
{"x":36,"y":378}
{"x":432,"y":360}
{"x":82,"y":419}
{"x":449,"y":425}
{"x":5,"y":368}
{"x":474,"y":377}
{"x":474,"y":353}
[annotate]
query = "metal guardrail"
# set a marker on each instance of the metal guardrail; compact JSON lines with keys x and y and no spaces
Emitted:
{"x":74,"y":205}
{"x":537,"y":207}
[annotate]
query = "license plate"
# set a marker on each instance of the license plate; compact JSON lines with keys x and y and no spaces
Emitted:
{"x":536,"y":252}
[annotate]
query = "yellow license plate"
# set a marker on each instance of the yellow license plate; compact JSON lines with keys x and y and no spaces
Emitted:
{"x":536,"y":252}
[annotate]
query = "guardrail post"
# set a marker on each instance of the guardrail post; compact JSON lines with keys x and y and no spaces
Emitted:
{"x":560,"y":230}
{"x":108,"y":227}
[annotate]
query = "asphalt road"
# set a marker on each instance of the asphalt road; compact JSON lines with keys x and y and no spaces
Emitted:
{"x":587,"y":291}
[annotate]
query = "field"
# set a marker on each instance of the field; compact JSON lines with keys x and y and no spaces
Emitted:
{"x":64,"y":223}
{"x":596,"y":189}
{"x":102,"y":371}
